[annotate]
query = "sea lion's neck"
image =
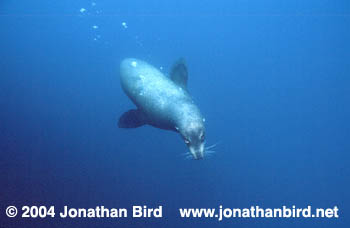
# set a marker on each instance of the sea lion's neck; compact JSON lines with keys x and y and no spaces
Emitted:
{"x":187,"y":115}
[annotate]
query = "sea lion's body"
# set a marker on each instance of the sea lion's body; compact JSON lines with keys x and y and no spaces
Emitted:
{"x":162,"y":102}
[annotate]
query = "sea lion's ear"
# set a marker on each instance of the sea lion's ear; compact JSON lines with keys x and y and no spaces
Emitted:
{"x":131,"y":119}
{"x":179,"y":73}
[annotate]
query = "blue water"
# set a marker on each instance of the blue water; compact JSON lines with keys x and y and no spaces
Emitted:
{"x":271,"y":79}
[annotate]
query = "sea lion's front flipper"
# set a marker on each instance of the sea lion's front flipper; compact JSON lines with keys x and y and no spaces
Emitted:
{"x":179,"y":73}
{"x":131,"y":119}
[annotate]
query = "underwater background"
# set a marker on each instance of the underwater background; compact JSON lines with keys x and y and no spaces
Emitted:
{"x":271,"y":78}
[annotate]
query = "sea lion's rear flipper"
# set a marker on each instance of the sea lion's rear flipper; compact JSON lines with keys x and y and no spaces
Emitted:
{"x":131,"y":119}
{"x":179,"y":73}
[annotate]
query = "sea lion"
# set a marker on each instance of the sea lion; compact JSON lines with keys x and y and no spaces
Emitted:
{"x":162,"y":102}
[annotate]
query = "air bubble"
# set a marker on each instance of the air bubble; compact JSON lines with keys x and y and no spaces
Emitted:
{"x":124,"y":25}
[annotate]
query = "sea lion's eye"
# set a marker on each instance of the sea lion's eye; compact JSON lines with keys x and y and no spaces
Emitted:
{"x":187,"y":141}
{"x":202,"y":137}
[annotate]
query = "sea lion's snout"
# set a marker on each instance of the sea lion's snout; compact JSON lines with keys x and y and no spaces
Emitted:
{"x":197,"y":151}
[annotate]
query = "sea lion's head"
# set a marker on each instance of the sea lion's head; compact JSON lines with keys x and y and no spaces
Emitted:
{"x":194,"y":137}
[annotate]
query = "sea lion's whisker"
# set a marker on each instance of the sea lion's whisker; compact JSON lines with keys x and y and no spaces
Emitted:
{"x":212,"y":146}
{"x":186,"y":154}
